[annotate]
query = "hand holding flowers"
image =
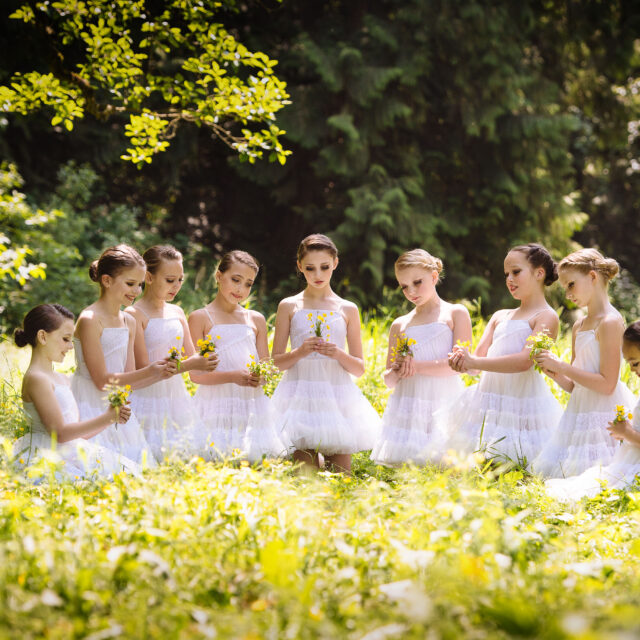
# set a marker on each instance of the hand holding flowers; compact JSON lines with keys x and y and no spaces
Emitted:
{"x":621,"y":425}
{"x":118,"y":399}
{"x":176,"y":355}
{"x":266,"y":372}
{"x":460,"y":358}
{"x":540,"y":346}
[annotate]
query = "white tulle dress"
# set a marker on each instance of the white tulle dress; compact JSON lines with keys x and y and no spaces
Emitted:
{"x":319,"y":406}
{"x":126,"y":439}
{"x":618,"y":474}
{"x":414,"y":424}
{"x":165,"y":409}
{"x":511,"y":414}
{"x":80,"y":457}
{"x":581,"y":439}
{"x":234,"y":420}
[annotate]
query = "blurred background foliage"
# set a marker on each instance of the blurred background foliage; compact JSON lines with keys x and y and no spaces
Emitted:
{"x":462,"y":126}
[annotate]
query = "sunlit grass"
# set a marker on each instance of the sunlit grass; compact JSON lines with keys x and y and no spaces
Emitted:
{"x":201,"y":550}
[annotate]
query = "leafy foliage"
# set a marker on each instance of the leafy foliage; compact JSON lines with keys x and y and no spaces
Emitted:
{"x":161,"y":65}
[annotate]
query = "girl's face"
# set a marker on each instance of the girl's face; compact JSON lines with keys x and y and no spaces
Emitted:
{"x":631,"y":353}
{"x":234,"y":284}
{"x":418,"y":284}
{"x":317,"y":267}
{"x":167,"y":281}
{"x":578,"y":286}
{"x":521,"y":278}
{"x":56,"y":343}
{"x":126,"y":286}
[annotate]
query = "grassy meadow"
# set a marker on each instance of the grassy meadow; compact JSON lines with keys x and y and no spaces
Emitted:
{"x":199,"y":550}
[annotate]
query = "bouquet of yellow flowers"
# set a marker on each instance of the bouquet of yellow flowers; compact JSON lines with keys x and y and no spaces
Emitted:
{"x":539,"y":342}
{"x":118,"y":397}
{"x":403,"y":347}
{"x":267,"y":370}
{"x":207,"y":346}
{"x":319,"y":325}
{"x":176,"y":354}
{"x":622,"y":414}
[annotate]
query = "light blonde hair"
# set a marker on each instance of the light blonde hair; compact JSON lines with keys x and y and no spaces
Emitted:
{"x":419,"y":258}
{"x":586,"y":260}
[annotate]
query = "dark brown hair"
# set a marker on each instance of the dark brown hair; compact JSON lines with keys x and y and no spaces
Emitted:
{"x":47,"y":317}
{"x":316,"y":242}
{"x":539,"y":257}
{"x":114,"y":260}
{"x":153,"y":256}
{"x":238,"y":256}
{"x":632,"y":333}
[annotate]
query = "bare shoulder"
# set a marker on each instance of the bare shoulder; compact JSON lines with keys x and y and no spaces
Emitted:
{"x":88,"y":321}
{"x":130,"y":321}
{"x":500,"y":315}
{"x":176,"y":310}
{"x":612,"y":323}
{"x":35,"y":382}
{"x":400,"y":322}
{"x":257,"y":318}
{"x":457,"y":310}
{"x":197,"y":314}
{"x":349,"y":308}
{"x":549,"y":318}
{"x":134,"y":313}
{"x":288,"y":305}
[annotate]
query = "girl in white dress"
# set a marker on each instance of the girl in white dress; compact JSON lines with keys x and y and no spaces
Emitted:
{"x":165,"y":409}
{"x":51,"y":407}
{"x":581,"y":439}
{"x":234,"y":415}
{"x":320,"y":409}
{"x":422,"y":379}
{"x":625,"y":465}
{"x":511,"y":411}
{"x":104,"y":340}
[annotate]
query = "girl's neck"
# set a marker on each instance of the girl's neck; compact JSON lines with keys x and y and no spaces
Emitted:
{"x":40,"y":361}
{"x":599,"y":303}
{"x":220,"y":304}
{"x":428,"y":307}
{"x":533,"y":301}
{"x":108,"y":306}
{"x":152,"y":302}
{"x":317,"y":295}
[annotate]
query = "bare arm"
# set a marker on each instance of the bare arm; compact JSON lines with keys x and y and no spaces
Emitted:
{"x":88,"y":331}
{"x":141,"y":355}
{"x":351,"y":361}
{"x":194,"y":361}
{"x":282,"y":358}
{"x":604,"y":381}
{"x":39,"y":389}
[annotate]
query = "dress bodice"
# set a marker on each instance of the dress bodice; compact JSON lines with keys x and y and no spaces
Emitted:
{"x":67,"y":403}
{"x":161,"y":334}
{"x":433,"y":340}
{"x":587,"y":351}
{"x":334,"y":328}
{"x":510,"y":336}
{"x":114,"y":342}
{"x":235,"y":344}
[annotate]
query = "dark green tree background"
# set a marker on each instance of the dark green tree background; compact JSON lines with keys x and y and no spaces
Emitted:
{"x":460,"y":126}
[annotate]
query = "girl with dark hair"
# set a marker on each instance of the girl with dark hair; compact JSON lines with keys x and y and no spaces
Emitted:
{"x":104,"y":339}
{"x":320,"y":409}
{"x":51,"y":407}
{"x":512,"y":410}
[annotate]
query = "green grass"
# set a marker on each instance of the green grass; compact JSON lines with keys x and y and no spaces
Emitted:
{"x":197,"y":550}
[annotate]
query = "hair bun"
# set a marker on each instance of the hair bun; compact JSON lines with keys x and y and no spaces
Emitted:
{"x":610,"y":268}
{"x":551,"y":274}
{"x":20,"y":338}
{"x":93,"y":271}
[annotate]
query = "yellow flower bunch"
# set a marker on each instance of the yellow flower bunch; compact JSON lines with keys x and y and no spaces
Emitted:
{"x":319,"y":325}
{"x":267,"y":370}
{"x":403,"y":347}
{"x":539,"y":342}
{"x":463,"y":343}
{"x":207,"y":346}
{"x":622,"y":414}
{"x":118,"y":397}
{"x":177,"y":354}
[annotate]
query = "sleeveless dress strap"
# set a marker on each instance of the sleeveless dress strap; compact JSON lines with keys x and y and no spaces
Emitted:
{"x":142,"y":311}
{"x":210,"y":317}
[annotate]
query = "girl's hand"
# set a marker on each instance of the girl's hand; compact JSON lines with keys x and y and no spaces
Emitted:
{"x":328,"y":349}
{"x":160,"y":369}
{"x":121,"y":414}
{"x":172,"y":367}
{"x":549,"y":363}
{"x":459,"y":359}
{"x":618,"y":430}
{"x":407,"y":367}
{"x":309,"y":346}
{"x":245,"y":379}
{"x":209,"y":363}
